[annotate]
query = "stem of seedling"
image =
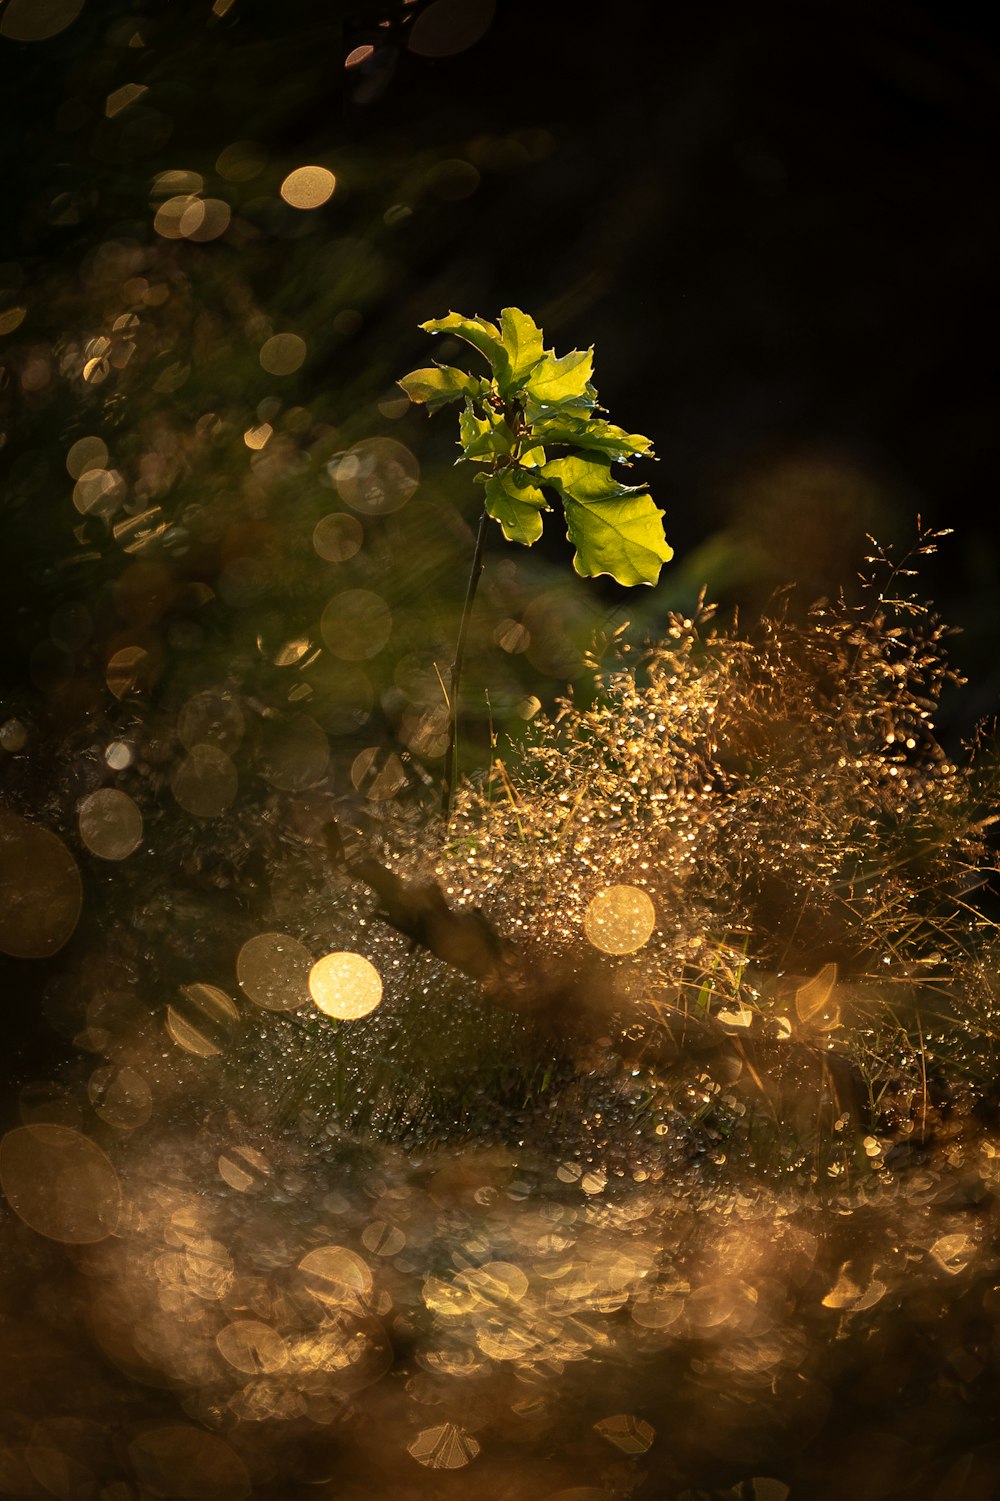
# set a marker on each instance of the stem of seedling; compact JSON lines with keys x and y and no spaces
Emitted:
{"x":451,"y":754}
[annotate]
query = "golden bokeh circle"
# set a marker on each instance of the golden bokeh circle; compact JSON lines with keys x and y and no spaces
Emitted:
{"x":41,"y":893}
{"x":620,"y":919}
{"x":282,"y":354}
{"x":98,"y":492}
{"x":252,"y":1347}
{"x":120,"y":1096}
{"x":212,"y":221}
{"x":211,"y":717}
{"x":169,"y":217}
{"x":356,"y":625}
{"x":308,"y":187}
{"x":379,"y":777}
{"x":337,"y":537}
{"x":202,"y":1020}
{"x":129,"y":670}
{"x":60,"y":1183}
{"x":376,"y":476}
{"x":13,"y":736}
{"x":206,"y":782}
{"x":273,"y":969}
{"x":86,"y":454}
{"x":37,"y":20}
{"x":337,"y":1277}
{"x":345,"y":985}
{"x":444,"y":1446}
{"x":110,"y":824}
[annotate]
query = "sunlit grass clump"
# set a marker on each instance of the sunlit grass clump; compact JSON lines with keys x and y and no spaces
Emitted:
{"x":818,"y":982}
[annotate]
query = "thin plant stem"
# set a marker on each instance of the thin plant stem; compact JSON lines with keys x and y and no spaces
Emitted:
{"x":451,"y":754}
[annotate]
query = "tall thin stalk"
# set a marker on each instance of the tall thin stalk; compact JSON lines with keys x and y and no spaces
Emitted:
{"x":455,"y":680}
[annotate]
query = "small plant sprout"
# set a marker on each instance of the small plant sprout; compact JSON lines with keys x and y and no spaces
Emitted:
{"x":534,"y":426}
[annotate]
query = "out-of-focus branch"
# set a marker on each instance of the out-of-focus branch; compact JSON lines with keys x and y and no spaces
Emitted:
{"x":467,"y":941}
{"x":562,"y":1000}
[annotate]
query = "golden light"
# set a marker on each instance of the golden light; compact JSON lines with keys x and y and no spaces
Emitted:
{"x":443,"y":1447}
{"x":308,"y":187}
{"x":282,"y":354}
{"x":110,"y":824}
{"x":359,"y":55}
{"x":337,"y":1277}
{"x":337,"y":537}
{"x":211,"y":717}
{"x":121,"y":1097}
{"x":630,"y":1434}
{"x":37,"y":20}
{"x":375,"y":476}
{"x":620,"y":919}
{"x":356,"y":624}
{"x":120,"y":99}
{"x":12,"y":318}
{"x":41,"y":892}
{"x":202,"y":1020}
{"x":272,"y":969}
{"x":206,"y":782}
{"x":60,"y":1183}
{"x":345,"y":986}
{"x":128,"y":671}
{"x":252,"y":1347}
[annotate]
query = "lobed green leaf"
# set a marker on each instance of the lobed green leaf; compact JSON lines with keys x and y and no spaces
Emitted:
{"x":615,"y":528}
{"x":478,"y":332}
{"x":438,"y":385}
{"x":517,"y":503}
{"x":522,"y":339}
{"x":554,"y":380}
{"x":475,"y":435}
{"x":593,"y":433}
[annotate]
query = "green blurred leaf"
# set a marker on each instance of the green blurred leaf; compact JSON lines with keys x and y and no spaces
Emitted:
{"x":522,"y":339}
{"x":439,"y":384}
{"x":615,"y":528}
{"x":517,"y":504}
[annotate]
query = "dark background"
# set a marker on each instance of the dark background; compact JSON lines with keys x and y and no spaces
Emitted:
{"x":777,"y":224}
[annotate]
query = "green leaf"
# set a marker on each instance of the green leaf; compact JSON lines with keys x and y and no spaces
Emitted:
{"x":475,"y":435}
{"x":555,"y":379}
{"x":478,"y":332}
{"x":532,"y":457}
{"x":605,"y":437}
{"x":615,"y":528}
{"x":438,"y":385}
{"x":522,"y":339}
{"x":517,"y":504}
